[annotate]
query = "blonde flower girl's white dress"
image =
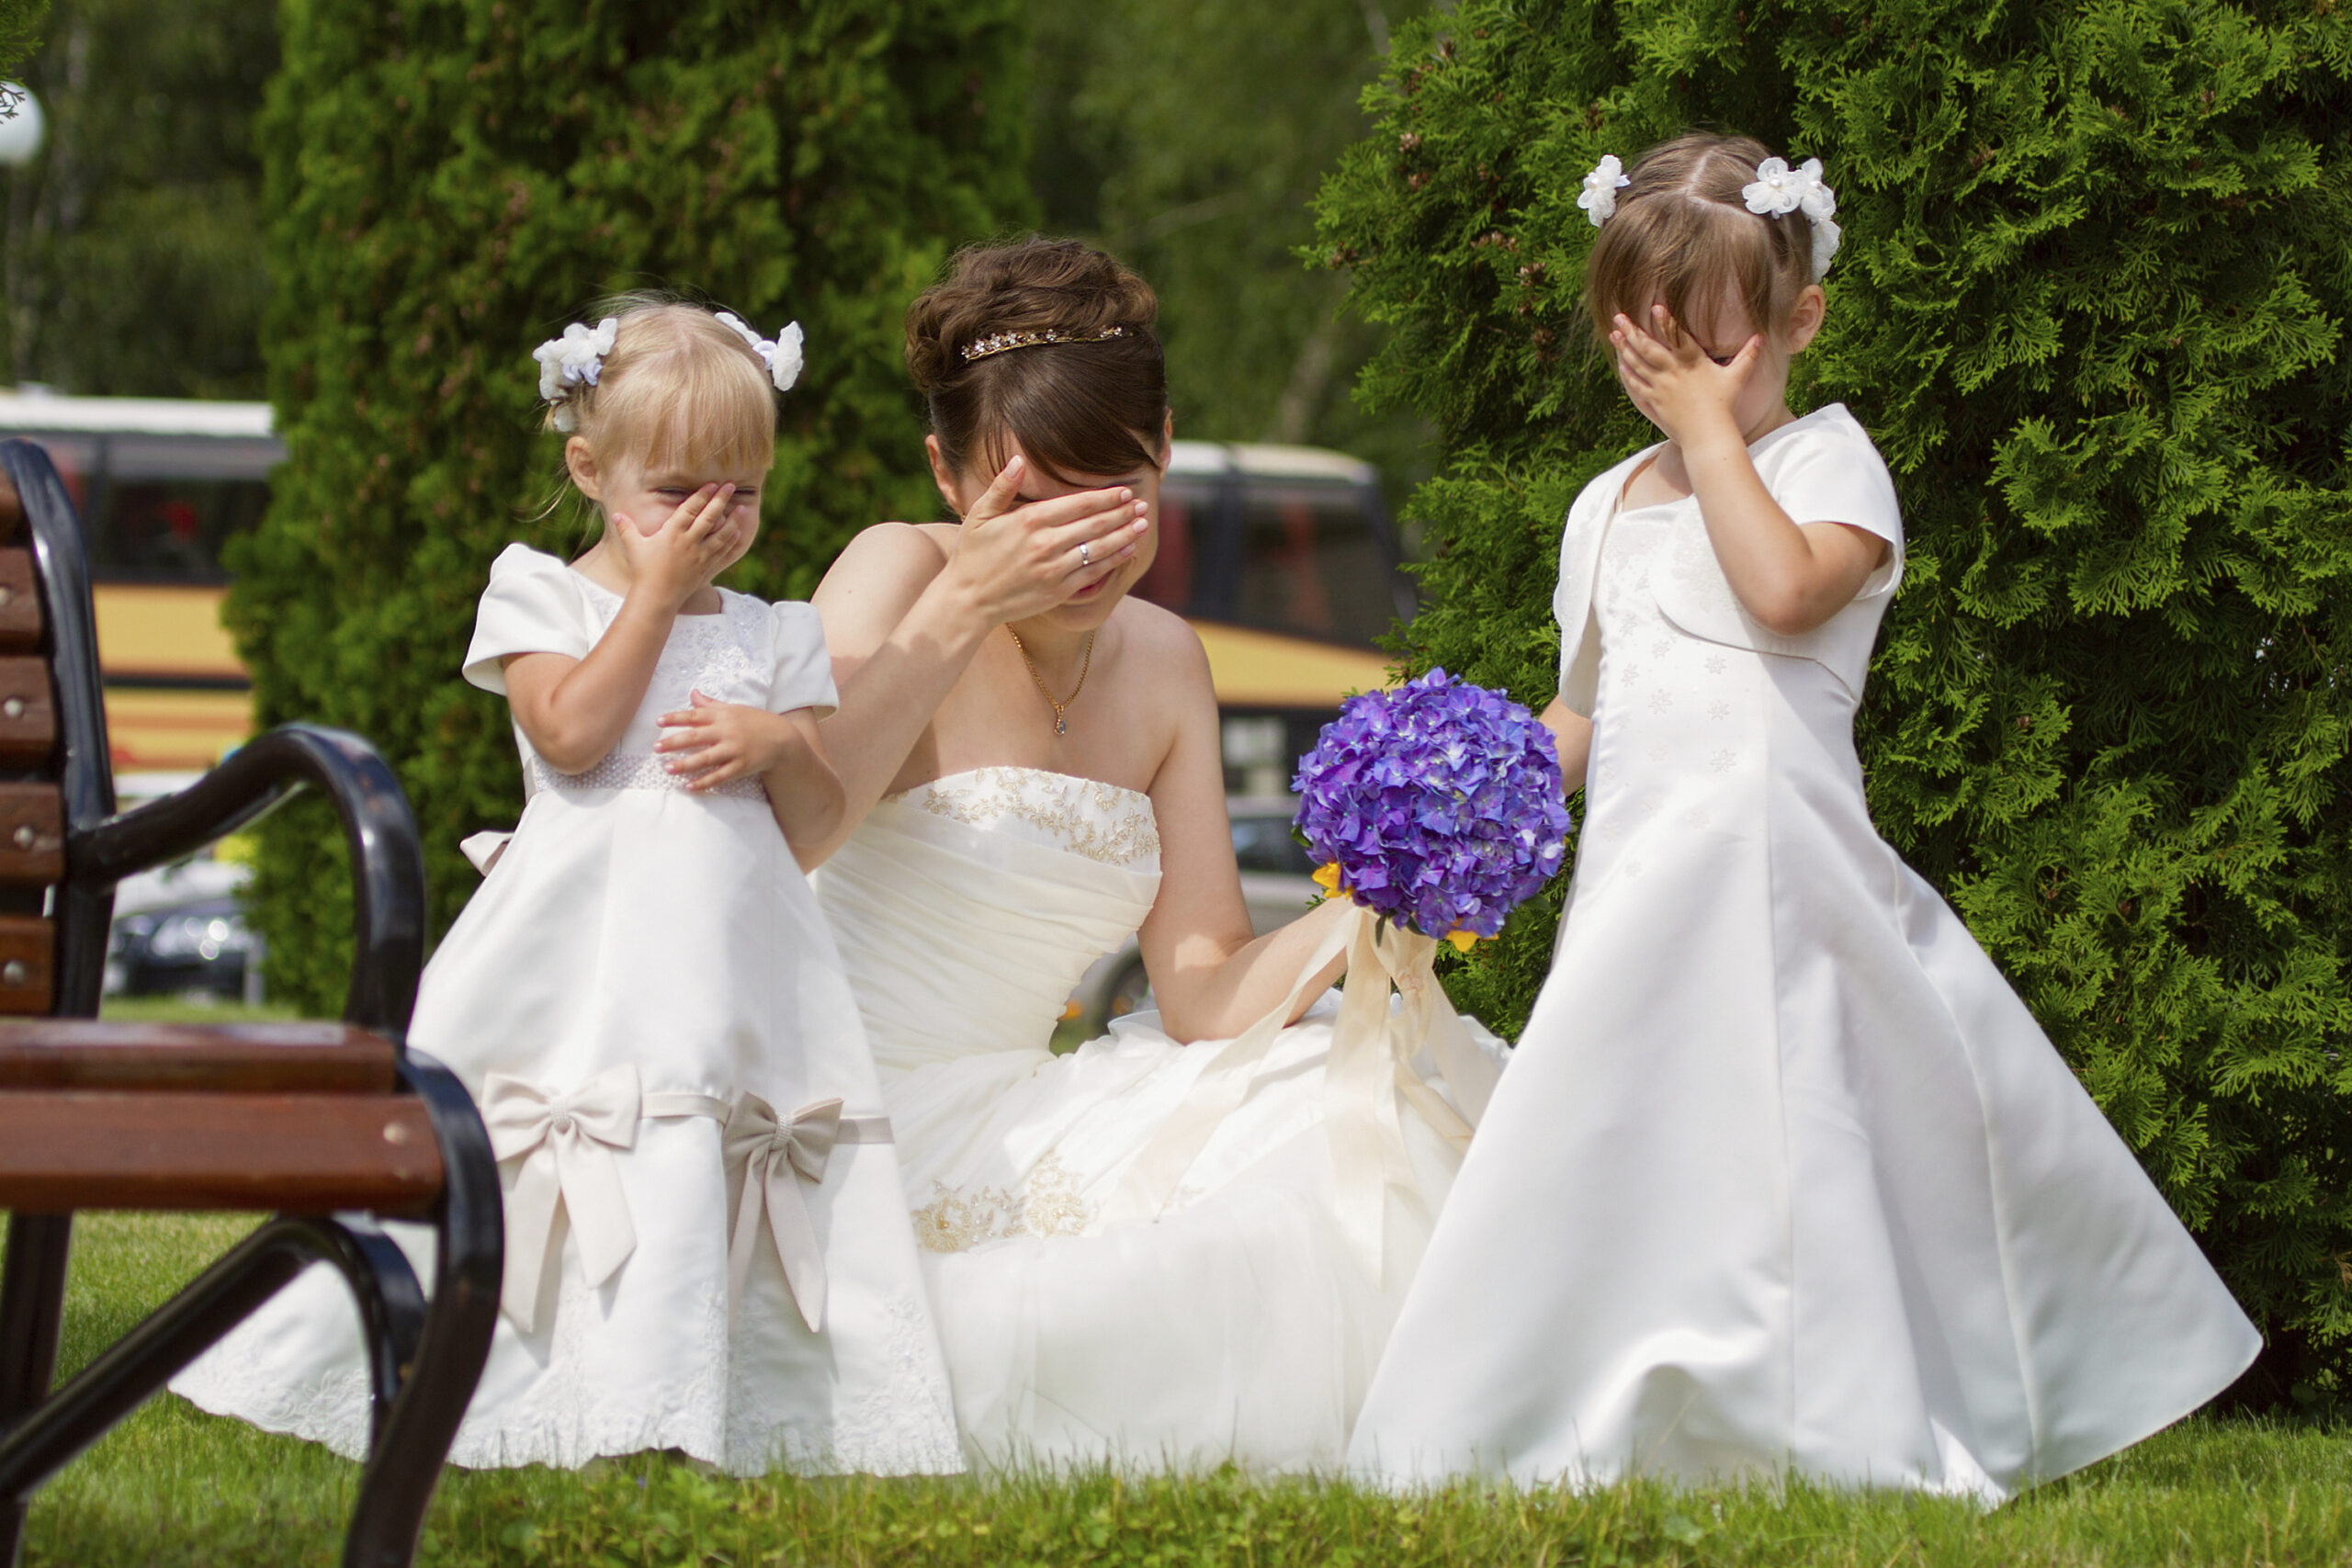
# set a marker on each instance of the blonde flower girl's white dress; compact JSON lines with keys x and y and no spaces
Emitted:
{"x":644,"y":999}
{"x":1783,"y":1176}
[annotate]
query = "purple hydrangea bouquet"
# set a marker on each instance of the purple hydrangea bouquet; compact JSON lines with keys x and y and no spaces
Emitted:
{"x":1436,"y":805}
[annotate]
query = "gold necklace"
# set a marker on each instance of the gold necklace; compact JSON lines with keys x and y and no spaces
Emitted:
{"x":1061,"y":707}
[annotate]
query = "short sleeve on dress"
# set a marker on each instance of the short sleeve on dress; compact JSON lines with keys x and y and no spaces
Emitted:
{"x":803,"y":672}
{"x":1832,"y":473}
{"x":532,"y":605}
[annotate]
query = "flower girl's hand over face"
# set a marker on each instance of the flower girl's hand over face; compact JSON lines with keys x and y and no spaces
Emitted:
{"x":1017,"y":558}
{"x":712,"y":743}
{"x":676,"y":559}
{"x":1676,"y":382}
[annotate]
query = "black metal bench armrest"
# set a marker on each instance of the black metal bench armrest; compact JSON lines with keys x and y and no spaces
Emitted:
{"x":387,"y":863}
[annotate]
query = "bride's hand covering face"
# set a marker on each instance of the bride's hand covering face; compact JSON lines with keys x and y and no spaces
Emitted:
{"x":1029,"y":544}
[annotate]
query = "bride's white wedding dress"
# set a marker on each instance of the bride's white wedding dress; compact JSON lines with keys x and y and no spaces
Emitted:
{"x":1235,"y":1322}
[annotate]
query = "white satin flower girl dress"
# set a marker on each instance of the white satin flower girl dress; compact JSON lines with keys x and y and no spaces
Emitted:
{"x":1783,"y":1176}
{"x":708,"y":1241}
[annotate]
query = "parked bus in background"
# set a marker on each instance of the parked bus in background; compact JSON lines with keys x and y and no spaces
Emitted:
{"x":160,"y":485}
{"x":1281,"y":557}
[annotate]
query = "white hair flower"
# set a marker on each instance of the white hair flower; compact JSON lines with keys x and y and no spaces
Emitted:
{"x":782,"y":356}
{"x":1826,"y":235}
{"x":1600,"y":189}
{"x":1779,"y":189}
{"x":577,"y":358}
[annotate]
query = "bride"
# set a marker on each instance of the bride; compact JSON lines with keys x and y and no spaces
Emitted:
{"x":1130,"y":1261}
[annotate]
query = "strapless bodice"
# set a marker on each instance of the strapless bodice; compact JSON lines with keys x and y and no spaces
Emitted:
{"x":967,"y":908}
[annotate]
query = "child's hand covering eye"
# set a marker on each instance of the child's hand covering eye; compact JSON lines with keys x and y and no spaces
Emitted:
{"x":678,"y":558}
{"x":1673,"y":379}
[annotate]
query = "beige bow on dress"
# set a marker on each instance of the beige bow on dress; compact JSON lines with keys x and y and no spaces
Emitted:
{"x":777,"y":1156}
{"x":566,"y":1142}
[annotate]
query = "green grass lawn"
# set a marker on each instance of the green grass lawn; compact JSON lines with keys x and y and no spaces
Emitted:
{"x":174,"y":1487}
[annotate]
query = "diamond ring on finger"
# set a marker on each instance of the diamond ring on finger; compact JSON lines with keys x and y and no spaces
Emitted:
{"x":1085,"y":556}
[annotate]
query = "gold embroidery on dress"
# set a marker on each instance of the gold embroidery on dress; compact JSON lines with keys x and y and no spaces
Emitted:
{"x":1045,"y":1203}
{"x":1086,"y":817}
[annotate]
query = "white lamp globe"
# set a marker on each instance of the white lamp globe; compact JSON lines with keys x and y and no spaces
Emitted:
{"x":20,"y":133}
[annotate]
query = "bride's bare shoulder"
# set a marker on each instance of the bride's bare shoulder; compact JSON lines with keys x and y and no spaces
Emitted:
{"x":1166,"y":640}
{"x":891,"y":555}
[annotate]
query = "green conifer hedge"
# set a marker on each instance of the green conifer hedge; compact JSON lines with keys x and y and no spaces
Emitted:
{"x":2091,"y":304}
{"x":447,"y":181}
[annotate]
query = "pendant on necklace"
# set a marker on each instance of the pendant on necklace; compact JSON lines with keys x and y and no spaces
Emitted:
{"x":1061,"y":727}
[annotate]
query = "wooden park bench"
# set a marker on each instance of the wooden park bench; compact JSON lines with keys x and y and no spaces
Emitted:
{"x":332,"y":1127}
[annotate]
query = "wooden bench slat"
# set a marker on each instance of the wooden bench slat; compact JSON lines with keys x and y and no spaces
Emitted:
{"x":246,"y":1058}
{"x":27,"y":947}
{"x":20,"y":616}
{"x":298,"y":1154}
{"x":32,"y":834}
{"x":27,"y":713}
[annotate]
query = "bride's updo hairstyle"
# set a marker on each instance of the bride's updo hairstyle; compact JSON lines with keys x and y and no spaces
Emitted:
{"x":1681,"y":231}
{"x":1046,"y":343}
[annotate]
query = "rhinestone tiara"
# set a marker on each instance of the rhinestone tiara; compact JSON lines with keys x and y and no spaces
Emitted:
{"x":998,"y":343}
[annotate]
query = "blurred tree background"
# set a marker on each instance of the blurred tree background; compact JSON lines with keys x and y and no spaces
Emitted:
{"x":133,"y":244}
{"x":1187,"y":136}
{"x":20,"y":28}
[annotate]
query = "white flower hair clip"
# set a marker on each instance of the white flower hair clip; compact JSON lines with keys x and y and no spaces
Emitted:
{"x":576,"y":359}
{"x":1600,"y":189}
{"x":1779,"y":189}
{"x":781,"y":355}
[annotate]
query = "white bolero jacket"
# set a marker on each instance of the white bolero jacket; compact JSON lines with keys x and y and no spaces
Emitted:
{"x":1821,"y":469}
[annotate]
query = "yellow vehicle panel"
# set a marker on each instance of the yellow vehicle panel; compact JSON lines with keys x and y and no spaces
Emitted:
{"x":1254,"y":669}
{"x":167,"y":632}
{"x":176,"y":696}
{"x":157,"y":729}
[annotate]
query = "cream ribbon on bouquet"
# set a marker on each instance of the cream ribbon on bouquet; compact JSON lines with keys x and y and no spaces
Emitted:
{"x":1367,"y":1077}
{"x":567,"y":1144}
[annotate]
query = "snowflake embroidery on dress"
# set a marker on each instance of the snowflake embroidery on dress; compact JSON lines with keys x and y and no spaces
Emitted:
{"x":1717,"y":664}
{"x":1085,"y":816}
{"x":1046,"y":1203}
{"x":1724,"y":760}
{"x":716,"y":655}
{"x":711,"y":659}
{"x":1661,"y":700}
{"x":1718,"y":710}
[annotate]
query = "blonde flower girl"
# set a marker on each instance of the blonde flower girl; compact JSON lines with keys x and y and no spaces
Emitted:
{"x":707,"y":1247}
